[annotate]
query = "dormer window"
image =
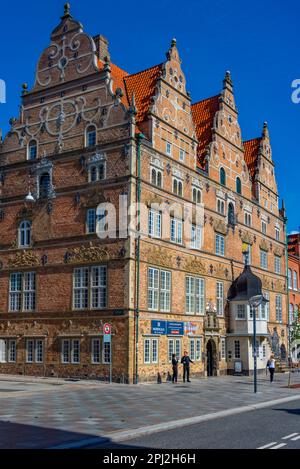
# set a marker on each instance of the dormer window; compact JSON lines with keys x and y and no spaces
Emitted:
{"x":91,"y":136}
{"x":32,"y":150}
{"x":25,"y":234}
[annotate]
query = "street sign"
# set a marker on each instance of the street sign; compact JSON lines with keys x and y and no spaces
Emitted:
{"x":107,"y":329}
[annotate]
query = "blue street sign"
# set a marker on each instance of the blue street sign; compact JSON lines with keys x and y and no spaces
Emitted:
{"x":159,"y":327}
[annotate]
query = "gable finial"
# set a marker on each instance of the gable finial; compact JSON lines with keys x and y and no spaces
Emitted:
{"x":227,"y":80}
{"x":265,"y":132}
{"x":67,"y":8}
{"x":173,"y":42}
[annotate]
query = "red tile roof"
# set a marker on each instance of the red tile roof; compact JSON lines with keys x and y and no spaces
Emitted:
{"x":251,"y":151}
{"x":203,"y":114}
{"x":143,"y":85}
{"x":118,"y":76}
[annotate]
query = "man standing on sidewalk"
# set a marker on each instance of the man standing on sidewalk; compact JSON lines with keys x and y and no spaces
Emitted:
{"x":185,"y":360}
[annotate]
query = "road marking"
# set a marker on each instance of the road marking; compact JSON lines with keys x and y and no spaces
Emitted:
{"x":296,"y":438}
{"x":279,"y":446}
{"x":289,"y":436}
{"x":267,"y":446}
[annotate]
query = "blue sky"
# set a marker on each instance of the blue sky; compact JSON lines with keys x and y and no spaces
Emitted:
{"x":257,"y":41}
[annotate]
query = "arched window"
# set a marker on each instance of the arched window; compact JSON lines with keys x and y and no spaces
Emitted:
{"x":295,"y":280}
{"x":290,"y":279}
{"x":196,"y":195}
{"x":291,"y":312}
{"x":25,"y":234}
{"x":32,"y":150}
{"x":180,"y":188}
{"x":238,"y":185}
{"x":91,"y":136}
{"x":222,"y":177}
{"x":159,"y":179}
{"x":231,"y":216}
{"x":45,"y":184}
{"x":175,"y":186}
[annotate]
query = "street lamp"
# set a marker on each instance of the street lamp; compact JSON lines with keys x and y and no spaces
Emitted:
{"x":255,"y":302}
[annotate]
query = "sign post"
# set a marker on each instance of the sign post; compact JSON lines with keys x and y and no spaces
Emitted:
{"x":107,"y":339}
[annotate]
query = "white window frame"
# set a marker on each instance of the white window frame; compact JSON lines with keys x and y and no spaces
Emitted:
{"x":241,"y":312}
{"x":155,"y":175}
{"x":195,"y":347}
{"x":90,"y":288}
{"x":263,"y":259}
{"x":196,"y":195}
{"x":278,"y":308}
{"x":263,"y":227}
{"x":220,"y":298}
{"x":177,"y":186}
{"x":154,"y":223}
{"x":277,"y":264}
{"x":174,"y":346}
{"x":96,"y":351}
{"x":219,"y":244}
{"x":221,"y":206}
{"x":25,"y":234}
{"x":71,"y":349}
{"x":168,"y":148}
{"x":196,"y":236}
{"x":151,"y":348}
{"x":159,"y":288}
{"x":25,"y":295}
{"x":295,"y":280}
{"x":248,"y":218}
{"x":194,"y":295}
{"x":176,"y":230}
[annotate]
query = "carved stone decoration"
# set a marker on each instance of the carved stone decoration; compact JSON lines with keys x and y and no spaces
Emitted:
{"x":220,"y":271}
{"x":278,"y":251}
{"x":266,"y":284}
{"x":264,"y":245}
{"x":24,"y":259}
{"x":220,"y":227}
{"x":246,"y":237}
{"x":158,"y":256}
{"x":25,"y":214}
{"x":88,"y":253}
{"x":195,"y":266}
{"x":279,"y":286}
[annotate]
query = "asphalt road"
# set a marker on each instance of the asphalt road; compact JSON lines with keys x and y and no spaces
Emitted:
{"x":276,"y":427}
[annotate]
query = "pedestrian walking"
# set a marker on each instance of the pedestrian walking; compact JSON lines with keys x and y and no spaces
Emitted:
{"x":174,"y":368}
{"x":185,"y":360}
{"x":271,"y":367}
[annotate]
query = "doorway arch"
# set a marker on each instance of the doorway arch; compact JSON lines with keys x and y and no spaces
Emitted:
{"x":211,"y":358}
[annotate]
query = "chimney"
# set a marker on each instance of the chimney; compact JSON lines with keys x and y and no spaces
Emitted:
{"x":102,"y":47}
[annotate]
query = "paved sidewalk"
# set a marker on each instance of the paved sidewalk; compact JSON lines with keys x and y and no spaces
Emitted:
{"x":41,"y":413}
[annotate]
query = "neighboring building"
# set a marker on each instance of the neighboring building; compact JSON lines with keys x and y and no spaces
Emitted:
{"x":76,"y":144}
{"x":293,"y":285}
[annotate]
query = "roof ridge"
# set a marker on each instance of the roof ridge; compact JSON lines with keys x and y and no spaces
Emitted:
{"x":252,"y":139}
{"x":206,"y":99}
{"x":145,"y":70}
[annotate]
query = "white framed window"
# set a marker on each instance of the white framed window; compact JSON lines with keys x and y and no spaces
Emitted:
{"x":174,"y":346}
{"x":223,"y":349}
{"x":156,"y":177}
{"x":220,"y":298}
{"x":237,"y":349}
{"x":176,"y":230}
{"x":181,"y":155}
{"x":90,"y":287}
{"x":295,"y":280}
{"x":70,"y":351}
{"x":263,"y":259}
{"x":159,"y":289}
{"x":12,"y":351}
{"x":277,"y":234}
{"x":241,"y":311}
{"x":91,"y":220}
{"x":220,"y":245}
{"x":96,"y":351}
{"x":177,"y":187}
{"x":278,"y":307}
{"x":34,"y":351}
{"x":196,"y":195}
{"x":150,"y":350}
{"x":8,"y":351}
{"x":194,"y":295}
{"x":277,"y":264}
{"x":168,"y":148}
{"x":221,"y":206}
{"x":25,"y":234}
{"x":196,"y":237}
{"x":106,"y":353}
{"x":195,"y":349}
{"x":263,"y":227}
{"x":248,"y":219}
{"x":91,"y":136}
{"x":265,"y":307}
{"x":154,"y":223}
{"x":22,"y":291}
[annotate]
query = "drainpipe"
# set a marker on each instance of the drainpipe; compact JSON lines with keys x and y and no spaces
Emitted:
{"x":140,"y":137}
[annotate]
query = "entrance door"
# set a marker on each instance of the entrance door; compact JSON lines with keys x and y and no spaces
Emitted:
{"x":211,"y":358}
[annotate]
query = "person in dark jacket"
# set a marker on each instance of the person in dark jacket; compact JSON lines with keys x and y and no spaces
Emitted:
{"x":186,"y":366}
{"x":174,"y":368}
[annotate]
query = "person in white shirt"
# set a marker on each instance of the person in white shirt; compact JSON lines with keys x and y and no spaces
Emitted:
{"x":271,"y":366}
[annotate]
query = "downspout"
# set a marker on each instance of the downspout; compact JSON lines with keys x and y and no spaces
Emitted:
{"x":140,"y":137}
{"x":287,"y":287}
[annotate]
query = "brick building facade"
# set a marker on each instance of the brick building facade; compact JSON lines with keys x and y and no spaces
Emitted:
{"x":89,"y":133}
{"x":293,"y":285}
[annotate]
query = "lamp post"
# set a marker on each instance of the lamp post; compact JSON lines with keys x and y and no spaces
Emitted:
{"x":255,"y":302}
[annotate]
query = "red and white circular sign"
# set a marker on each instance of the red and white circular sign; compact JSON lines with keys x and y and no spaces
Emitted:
{"x":107,"y":328}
